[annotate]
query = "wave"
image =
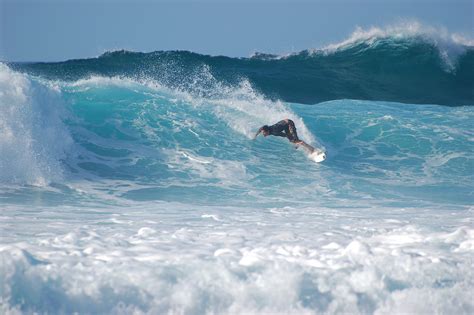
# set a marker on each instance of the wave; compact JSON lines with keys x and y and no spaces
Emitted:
{"x":409,"y":64}
{"x":118,"y":128}
{"x":139,"y":140}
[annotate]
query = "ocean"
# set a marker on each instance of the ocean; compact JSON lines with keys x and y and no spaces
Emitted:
{"x":130,"y":183}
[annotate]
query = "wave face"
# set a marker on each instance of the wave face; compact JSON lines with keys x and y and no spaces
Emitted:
{"x":408,"y":65}
{"x":126,"y":196}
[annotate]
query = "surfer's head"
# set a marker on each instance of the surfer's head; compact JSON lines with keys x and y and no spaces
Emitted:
{"x":265,"y":130}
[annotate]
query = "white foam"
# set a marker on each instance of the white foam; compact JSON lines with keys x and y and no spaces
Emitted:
{"x":403,"y":29}
{"x":245,"y":111}
{"x":181,"y":261}
{"x":33,"y":137}
{"x":228,"y":172}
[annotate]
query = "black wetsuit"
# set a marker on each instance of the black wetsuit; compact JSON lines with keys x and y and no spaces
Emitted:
{"x":284,"y":128}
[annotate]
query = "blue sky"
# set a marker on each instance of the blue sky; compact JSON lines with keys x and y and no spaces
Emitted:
{"x":53,"y":30}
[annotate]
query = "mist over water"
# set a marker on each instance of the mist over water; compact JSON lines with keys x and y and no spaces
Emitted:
{"x":126,"y":190}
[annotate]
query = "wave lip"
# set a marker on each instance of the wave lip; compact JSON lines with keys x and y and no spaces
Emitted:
{"x":413,"y":29}
{"x":33,"y":137}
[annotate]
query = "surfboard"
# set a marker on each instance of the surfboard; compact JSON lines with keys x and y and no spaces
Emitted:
{"x":317,"y":156}
{"x":314,"y":154}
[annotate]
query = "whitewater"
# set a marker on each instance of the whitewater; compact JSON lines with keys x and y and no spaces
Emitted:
{"x":130,"y":183}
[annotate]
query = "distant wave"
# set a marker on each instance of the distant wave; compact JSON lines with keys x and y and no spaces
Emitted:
{"x":409,"y":63}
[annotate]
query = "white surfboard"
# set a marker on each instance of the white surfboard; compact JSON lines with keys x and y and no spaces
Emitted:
{"x":317,"y":156}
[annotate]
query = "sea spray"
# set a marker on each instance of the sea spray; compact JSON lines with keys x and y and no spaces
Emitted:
{"x":33,"y":137}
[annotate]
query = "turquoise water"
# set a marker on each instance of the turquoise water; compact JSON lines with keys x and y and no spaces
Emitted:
{"x":120,"y":195}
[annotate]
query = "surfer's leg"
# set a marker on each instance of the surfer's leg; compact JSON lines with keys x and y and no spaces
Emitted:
{"x":291,"y":134}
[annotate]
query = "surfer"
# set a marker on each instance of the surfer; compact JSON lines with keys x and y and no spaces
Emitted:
{"x":284,"y":128}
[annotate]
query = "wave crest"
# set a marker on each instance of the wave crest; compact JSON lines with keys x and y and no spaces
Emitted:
{"x":450,"y":45}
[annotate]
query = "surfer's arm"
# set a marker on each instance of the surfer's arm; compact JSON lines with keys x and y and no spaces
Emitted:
{"x":258,"y":132}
